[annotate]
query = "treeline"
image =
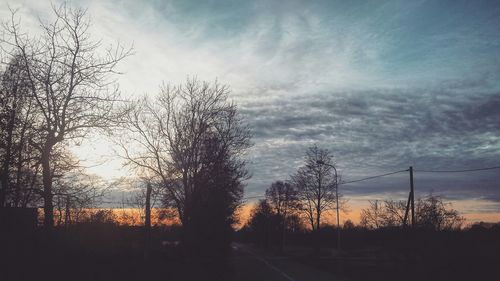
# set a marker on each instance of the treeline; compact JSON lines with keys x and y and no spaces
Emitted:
{"x":431,"y":212}
{"x":269,"y":228}
{"x":297,"y":205}
{"x":159,"y":217}
{"x":294,"y":210}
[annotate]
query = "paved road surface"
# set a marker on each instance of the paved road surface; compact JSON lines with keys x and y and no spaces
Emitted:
{"x":251,"y":265}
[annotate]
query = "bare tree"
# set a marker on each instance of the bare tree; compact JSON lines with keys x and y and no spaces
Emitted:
{"x":387,"y":213}
{"x":191,"y":139}
{"x":316,"y":185}
{"x":394,"y":213}
{"x":283,"y":199}
{"x":68,"y":80}
{"x":431,"y":212}
{"x":147,"y":149}
{"x":373,"y":216}
{"x":74,"y":192}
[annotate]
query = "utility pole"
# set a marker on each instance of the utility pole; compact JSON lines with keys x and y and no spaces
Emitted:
{"x":411,"y":202}
{"x":412,"y":195}
{"x":339,"y":248}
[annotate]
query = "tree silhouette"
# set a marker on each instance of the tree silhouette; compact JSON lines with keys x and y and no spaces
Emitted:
{"x":283,"y":199}
{"x":191,"y":139}
{"x":315,"y":182}
{"x":431,"y":213}
{"x":263,"y":224}
{"x":68,"y":81}
{"x":19,"y":162}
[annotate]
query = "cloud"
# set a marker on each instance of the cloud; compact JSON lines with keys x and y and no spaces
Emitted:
{"x":383,"y":85}
{"x":380,"y":130}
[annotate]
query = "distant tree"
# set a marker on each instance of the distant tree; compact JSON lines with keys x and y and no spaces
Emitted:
{"x":101,"y":217}
{"x":372,"y":217}
{"x":348,"y":224}
{"x":75,"y":192}
{"x":379,"y":214}
{"x":145,"y":198}
{"x":295,"y":223}
{"x":264,"y":223}
{"x":68,"y":82}
{"x":316,"y":185}
{"x":283,"y":199}
{"x":394,"y":213}
{"x":431,"y":212}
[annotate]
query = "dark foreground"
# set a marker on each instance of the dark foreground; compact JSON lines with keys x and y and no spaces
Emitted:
{"x":117,"y":253}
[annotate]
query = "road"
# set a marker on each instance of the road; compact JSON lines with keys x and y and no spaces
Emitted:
{"x":252,"y":265}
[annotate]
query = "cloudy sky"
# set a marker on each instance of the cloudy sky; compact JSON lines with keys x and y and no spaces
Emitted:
{"x":383,"y":85}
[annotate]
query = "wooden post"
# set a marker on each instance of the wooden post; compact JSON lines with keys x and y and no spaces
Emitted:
{"x":147,"y":222}
{"x":412,"y":195}
{"x":407,"y":210}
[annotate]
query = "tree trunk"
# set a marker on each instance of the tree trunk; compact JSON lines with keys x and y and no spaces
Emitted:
{"x":17,"y":187}
{"x":318,"y":205}
{"x":147,"y":222}
{"x":318,"y":219}
{"x":3,"y":186}
{"x":48,"y":206}
{"x":4,"y":178}
{"x":318,"y":234}
{"x":67,"y":212}
{"x":17,"y":190}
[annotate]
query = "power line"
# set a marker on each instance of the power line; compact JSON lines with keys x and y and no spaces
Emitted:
{"x":458,"y":171}
{"x":254,"y":197}
{"x":345,"y":182}
{"x":367,"y":178}
{"x":374,"y":177}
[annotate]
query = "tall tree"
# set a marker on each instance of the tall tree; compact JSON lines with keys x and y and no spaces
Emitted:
{"x":68,"y":80}
{"x":316,"y":185}
{"x":192,"y":139}
{"x":283,"y":199}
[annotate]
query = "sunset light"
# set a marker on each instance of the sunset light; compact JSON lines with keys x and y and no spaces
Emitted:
{"x":249,"y":140}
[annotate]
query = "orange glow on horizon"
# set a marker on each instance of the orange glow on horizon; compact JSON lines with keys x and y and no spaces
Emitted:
{"x":354,"y":212}
{"x":469,"y":209}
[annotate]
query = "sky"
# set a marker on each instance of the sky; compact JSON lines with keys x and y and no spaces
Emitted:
{"x":383,"y":85}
